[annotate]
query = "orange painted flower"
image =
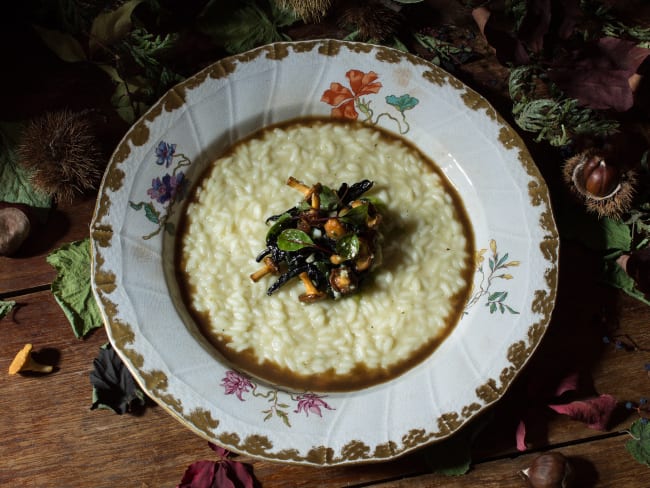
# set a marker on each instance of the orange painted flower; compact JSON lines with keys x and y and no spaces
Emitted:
{"x":343,"y":99}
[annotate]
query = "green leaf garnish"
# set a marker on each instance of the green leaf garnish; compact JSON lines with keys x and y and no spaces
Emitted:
{"x":357,"y":216}
{"x":6,"y":307}
{"x":329,"y":200}
{"x":294,"y":240}
{"x":71,"y":287}
{"x":348,"y":246}
{"x":278,"y":226}
{"x":639,"y":445}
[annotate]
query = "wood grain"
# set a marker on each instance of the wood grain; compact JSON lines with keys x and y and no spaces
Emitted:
{"x":28,"y":268}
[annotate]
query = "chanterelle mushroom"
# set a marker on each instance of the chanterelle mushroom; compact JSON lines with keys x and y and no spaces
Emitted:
{"x":24,"y":362}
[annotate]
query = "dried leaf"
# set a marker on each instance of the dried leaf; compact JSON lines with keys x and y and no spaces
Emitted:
{"x":113,"y":386}
{"x":535,"y":24}
{"x":223,"y":473}
{"x":15,"y":186}
{"x":595,"y":412}
{"x":66,"y":47}
{"x":113,"y":26}
{"x":638,"y":267}
{"x":639,"y":445}
{"x":71,"y":287}
{"x":507,"y":47}
{"x":598,"y":74}
{"x":6,"y":306}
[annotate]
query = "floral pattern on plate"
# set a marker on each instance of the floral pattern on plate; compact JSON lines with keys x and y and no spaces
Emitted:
{"x":165,"y":190}
{"x":238,"y":384}
{"x":498,"y":266}
{"x":346,"y":101}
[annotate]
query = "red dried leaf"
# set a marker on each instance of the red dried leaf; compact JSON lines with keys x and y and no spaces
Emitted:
{"x":199,"y":475}
{"x":568,"y":383}
{"x":595,"y":412}
{"x":508,"y":49}
{"x":224,"y":473}
{"x":598,"y":75}
{"x":520,"y":436}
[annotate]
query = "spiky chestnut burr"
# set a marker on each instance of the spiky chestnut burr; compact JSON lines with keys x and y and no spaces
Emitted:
{"x":604,"y":188}
{"x":61,"y":154}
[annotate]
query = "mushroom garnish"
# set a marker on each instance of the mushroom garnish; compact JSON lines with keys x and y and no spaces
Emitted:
{"x":312,"y":294}
{"x":329,"y":240}
{"x":25,"y":362}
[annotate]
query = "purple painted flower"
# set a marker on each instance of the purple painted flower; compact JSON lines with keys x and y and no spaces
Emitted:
{"x":236,"y":384}
{"x":167,"y":188}
{"x":165,"y":153}
{"x":310,"y":402}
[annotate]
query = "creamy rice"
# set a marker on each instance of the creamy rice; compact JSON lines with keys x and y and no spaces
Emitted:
{"x":409,"y":306}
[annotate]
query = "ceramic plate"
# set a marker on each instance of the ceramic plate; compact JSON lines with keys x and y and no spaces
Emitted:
{"x":133,"y":232}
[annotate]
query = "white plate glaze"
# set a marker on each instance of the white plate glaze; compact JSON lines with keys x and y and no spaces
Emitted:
{"x":133,"y":232}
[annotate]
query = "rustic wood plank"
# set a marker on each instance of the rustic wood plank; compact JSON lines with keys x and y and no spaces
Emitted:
{"x":43,"y":443}
{"x":602,"y":463}
{"x":28,"y":267}
{"x":50,"y":436}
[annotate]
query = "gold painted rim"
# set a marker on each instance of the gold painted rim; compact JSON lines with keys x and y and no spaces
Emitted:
{"x":202,"y":422}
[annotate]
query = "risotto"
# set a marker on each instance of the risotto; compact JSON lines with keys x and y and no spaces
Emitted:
{"x":403,"y":312}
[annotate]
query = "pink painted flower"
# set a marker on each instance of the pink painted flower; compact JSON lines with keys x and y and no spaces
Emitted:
{"x":310,"y":402}
{"x":343,"y":99}
{"x":236,"y":384}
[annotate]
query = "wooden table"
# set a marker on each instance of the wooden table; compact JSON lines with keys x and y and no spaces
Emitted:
{"x":51,"y":438}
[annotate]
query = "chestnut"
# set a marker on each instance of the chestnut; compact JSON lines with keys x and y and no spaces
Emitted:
{"x":597,"y":178}
{"x":549,"y":470}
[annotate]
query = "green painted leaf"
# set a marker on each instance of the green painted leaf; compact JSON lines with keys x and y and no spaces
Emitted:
{"x":285,"y":418}
{"x":639,"y":445}
{"x":14,"y":180}
{"x":136,"y":206}
{"x":151,"y":213}
{"x":5,"y":307}
{"x":113,"y":26}
{"x":511,"y":310}
{"x":403,"y":102}
{"x":293,"y":240}
{"x":348,"y":246}
{"x":493,"y":307}
{"x":66,"y":47}
{"x":71,"y":287}
{"x":494,"y":296}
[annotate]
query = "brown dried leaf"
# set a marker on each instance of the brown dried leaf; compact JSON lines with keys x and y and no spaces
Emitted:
{"x":598,"y":75}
